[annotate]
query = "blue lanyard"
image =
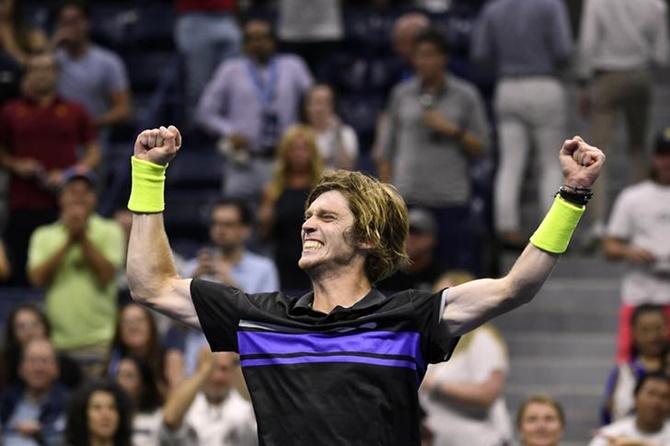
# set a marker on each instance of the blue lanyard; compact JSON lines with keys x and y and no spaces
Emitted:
{"x":265,"y":90}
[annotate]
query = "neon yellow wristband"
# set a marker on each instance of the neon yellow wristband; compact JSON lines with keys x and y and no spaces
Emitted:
{"x":148,"y":185}
{"x":554,"y":233}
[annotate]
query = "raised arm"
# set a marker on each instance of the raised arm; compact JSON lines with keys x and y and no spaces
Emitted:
{"x":151,"y":271}
{"x":473,"y":303}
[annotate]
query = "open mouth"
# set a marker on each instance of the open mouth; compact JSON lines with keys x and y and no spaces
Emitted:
{"x":312,"y":245}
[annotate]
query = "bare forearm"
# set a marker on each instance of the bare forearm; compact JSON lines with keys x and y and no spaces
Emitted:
{"x":150,"y":264}
{"x":472,"y":145}
{"x":117,"y":115}
{"x":472,"y":394}
{"x":529,"y":273}
{"x":615,"y":249}
{"x":181,"y":399}
{"x":102,"y":268}
{"x":42,"y":274}
{"x":92,"y":156}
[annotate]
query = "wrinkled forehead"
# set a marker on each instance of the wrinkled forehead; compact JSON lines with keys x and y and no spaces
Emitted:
{"x":332,"y":200}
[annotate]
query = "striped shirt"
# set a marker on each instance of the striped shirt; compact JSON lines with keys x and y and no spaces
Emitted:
{"x":347,"y":377}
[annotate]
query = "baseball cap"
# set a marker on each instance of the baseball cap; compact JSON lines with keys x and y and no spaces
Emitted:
{"x":662,"y":145}
{"x":73,"y":174}
{"x":422,"y":221}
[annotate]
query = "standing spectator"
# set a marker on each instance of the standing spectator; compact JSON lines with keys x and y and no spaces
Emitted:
{"x":281,"y":216}
{"x":138,"y":380}
{"x":337,"y":142}
{"x":76,"y":259}
{"x":638,"y":234}
{"x":436,"y":124}
{"x":24,"y":324}
{"x":525,"y":43}
{"x":618,"y":44}
{"x":540,"y":421}
{"x":33,"y":412}
{"x":423,"y":269}
{"x":17,"y":39}
{"x":650,"y":346}
{"x":99,"y":414}
{"x":249,"y":102}
{"x":137,"y":334}
{"x":649,"y":425}
{"x":89,"y":74}
{"x":207,"y":410}
{"x":464,"y":396}
{"x":206,"y":33}
{"x":39,"y":137}
{"x":311,"y":29}
{"x":226,"y":261}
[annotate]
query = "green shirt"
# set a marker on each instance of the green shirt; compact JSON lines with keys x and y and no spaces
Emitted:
{"x":81,"y":312}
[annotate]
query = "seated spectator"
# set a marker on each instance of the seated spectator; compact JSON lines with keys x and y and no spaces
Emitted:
{"x":89,"y":74}
{"x":638,"y":234}
{"x":298,"y":169}
{"x":464,"y":396}
{"x":138,"y":381}
{"x":33,"y":412}
{"x":207,"y":410}
{"x":422,"y":270}
{"x":227,"y":261}
{"x":337,"y":142}
{"x":99,"y":414}
{"x":540,"y":421}
{"x":76,"y":260}
{"x":26,"y":323}
{"x":4,"y":263}
{"x":649,"y":426}
{"x":28,"y":126}
{"x":650,"y":346}
{"x":249,"y":103}
{"x":136,"y":334}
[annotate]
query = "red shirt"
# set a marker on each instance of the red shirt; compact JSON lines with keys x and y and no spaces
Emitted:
{"x":184,"y":6}
{"x":50,"y":135}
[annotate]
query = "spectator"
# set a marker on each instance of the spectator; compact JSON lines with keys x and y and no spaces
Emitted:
{"x":76,"y":259}
{"x":337,"y":142}
{"x":4,"y":263}
{"x":28,"y":126}
{"x":89,"y":74}
{"x":206,"y":33}
{"x":18,"y":40}
{"x":650,"y":345}
{"x":207,"y":410}
{"x":137,"y":379}
{"x":638,"y":234}
{"x":649,"y":425}
{"x":464,"y":397}
{"x":226,"y":261}
{"x":24,"y":324}
{"x":530,"y":101}
{"x":618,"y":43}
{"x":540,"y":421}
{"x":99,"y":414}
{"x":33,"y":412}
{"x":297,"y":171}
{"x":249,"y":102}
{"x":436,"y":124}
{"x":422,"y":270}
{"x":137,"y":334}
{"x":312,"y":30}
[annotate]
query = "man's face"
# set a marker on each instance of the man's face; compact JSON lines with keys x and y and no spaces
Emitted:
{"x":226,"y":230}
{"x":39,"y":368}
{"x":79,"y":194}
{"x":73,"y":26}
{"x":258,"y":40}
{"x":650,"y":333}
{"x":40,"y":76}
{"x":326,"y":242}
{"x":651,"y":402}
{"x":429,"y":62}
{"x":221,"y":378}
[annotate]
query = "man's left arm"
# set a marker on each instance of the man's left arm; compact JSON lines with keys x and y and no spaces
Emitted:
{"x":473,"y":303}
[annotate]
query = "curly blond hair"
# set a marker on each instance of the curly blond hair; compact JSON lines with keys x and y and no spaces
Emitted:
{"x":380,"y":219}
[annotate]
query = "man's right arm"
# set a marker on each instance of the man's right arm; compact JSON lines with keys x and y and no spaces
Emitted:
{"x":152,"y":275}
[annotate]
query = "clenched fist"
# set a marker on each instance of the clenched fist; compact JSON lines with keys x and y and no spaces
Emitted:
{"x":158,"y":146}
{"x":580,"y":163}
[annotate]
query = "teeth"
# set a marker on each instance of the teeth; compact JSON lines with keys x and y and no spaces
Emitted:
{"x":312,"y":244}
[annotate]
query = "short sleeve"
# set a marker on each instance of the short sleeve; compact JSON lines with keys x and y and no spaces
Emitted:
{"x":218,"y":308}
{"x":436,"y":344}
{"x":117,"y":77}
{"x":42,"y":246}
{"x":621,"y":220}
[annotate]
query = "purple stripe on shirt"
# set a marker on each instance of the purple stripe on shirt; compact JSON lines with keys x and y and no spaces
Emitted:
{"x":329,"y":359}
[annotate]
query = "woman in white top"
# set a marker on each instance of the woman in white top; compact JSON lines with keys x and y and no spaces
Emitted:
{"x":337,"y":142}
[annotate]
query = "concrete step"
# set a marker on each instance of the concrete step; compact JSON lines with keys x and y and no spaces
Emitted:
{"x":544,"y":371}
{"x":561,"y":345}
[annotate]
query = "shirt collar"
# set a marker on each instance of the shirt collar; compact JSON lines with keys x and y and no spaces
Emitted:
{"x":303,"y":305}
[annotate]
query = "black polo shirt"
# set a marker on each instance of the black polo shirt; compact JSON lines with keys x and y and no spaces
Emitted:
{"x":345,"y":378}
